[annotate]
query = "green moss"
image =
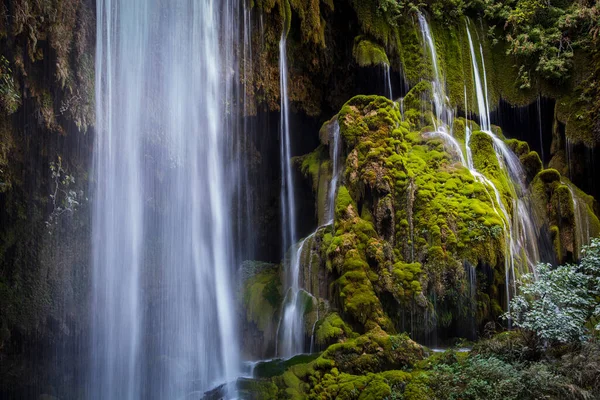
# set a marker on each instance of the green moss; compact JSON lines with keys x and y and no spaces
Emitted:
{"x":553,"y":195}
{"x":377,"y":21}
{"x":421,"y":214}
{"x":261,"y":294}
{"x":312,"y":24}
{"x":413,"y":98}
{"x":532,"y":164}
{"x":330,"y":329}
{"x":407,"y":275}
{"x":366,"y":53}
{"x":342,"y":201}
{"x":366,"y":367}
{"x":257,"y":390}
{"x":548,"y":176}
{"x":415,"y":63}
{"x":269,"y":369}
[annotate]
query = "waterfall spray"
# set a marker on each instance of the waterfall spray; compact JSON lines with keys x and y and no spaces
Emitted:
{"x":162,"y":234}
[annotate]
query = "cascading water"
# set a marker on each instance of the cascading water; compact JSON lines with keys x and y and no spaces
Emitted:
{"x":335,"y":154}
{"x":444,"y":115}
{"x":387,"y":81}
{"x":582,"y":222}
{"x":288,"y":204}
{"x":539,"y":114}
{"x":520,"y":231}
{"x":290,"y":332}
{"x":162,"y":310}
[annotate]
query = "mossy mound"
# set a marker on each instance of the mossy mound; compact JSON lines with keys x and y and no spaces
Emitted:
{"x":375,"y":351}
{"x":367,"y":367}
{"x":261,"y":296}
{"x":366,"y":53}
{"x":505,"y":366}
{"x":569,"y":213}
{"x":413,"y":225}
{"x":410,"y":214}
{"x":332,"y":329}
{"x":269,"y":369}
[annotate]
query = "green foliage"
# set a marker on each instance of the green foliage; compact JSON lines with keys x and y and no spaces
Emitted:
{"x":535,"y":38}
{"x":379,"y":18}
{"x":488,"y":377}
{"x":557,"y":303}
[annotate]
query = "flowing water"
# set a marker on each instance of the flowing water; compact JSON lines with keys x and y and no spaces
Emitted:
{"x":288,"y":201}
{"x":521,"y":233}
{"x":291,"y":331}
{"x":387,"y":82}
{"x":582,"y":222}
{"x":335,"y":156}
{"x":162,"y":309}
{"x":444,"y":115}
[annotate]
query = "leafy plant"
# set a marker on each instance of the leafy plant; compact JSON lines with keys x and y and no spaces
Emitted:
{"x":64,"y":198}
{"x":558,"y":302}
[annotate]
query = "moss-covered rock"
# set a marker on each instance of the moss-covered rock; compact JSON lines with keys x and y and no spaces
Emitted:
{"x":408,"y":217}
{"x":366,"y":53}
{"x":261,"y":297}
{"x":371,"y":366}
{"x":567,"y":211}
{"x":332,"y":329}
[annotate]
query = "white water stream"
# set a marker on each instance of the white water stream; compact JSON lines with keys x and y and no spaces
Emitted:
{"x":162,"y":317}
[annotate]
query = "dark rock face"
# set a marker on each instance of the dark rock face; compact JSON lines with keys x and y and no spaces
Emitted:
{"x":46,"y":112}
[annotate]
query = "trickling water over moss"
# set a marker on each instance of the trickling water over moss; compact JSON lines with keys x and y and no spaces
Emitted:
{"x":552,"y":192}
{"x":410,"y":219}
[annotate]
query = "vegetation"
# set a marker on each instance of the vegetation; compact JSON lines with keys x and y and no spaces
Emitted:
{"x":560,"y":308}
{"x":556,"y":304}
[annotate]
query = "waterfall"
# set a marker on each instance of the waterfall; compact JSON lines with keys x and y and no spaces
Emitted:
{"x":520,"y":231}
{"x":335,"y":154}
{"x":288,"y":206}
{"x":444,"y":115}
{"x":582,"y":222}
{"x":290,"y":330}
{"x":290,"y":335}
{"x":387,"y":81}
{"x":162,"y":316}
{"x":246,"y":131}
{"x":539,"y":112}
